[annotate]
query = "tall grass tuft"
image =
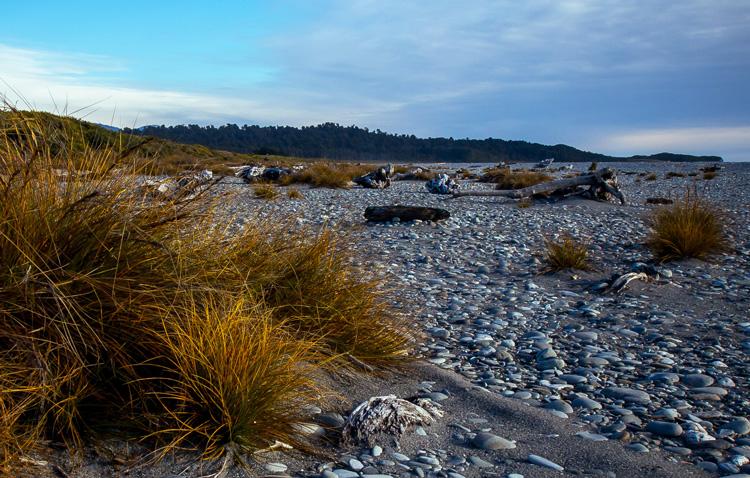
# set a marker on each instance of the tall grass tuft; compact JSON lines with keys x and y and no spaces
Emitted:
{"x":328,"y":175}
{"x":120,"y":307}
{"x":266,"y":191}
{"x":690,"y":227}
{"x":507,"y":178}
{"x":565,"y":253}
{"x":234,"y":379}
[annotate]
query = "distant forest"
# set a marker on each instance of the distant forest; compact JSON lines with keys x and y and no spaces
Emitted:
{"x":336,"y":142}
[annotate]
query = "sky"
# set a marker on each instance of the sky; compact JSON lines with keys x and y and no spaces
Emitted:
{"x":618,"y":77}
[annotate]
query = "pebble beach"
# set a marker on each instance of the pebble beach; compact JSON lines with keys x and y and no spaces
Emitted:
{"x":661,"y":368}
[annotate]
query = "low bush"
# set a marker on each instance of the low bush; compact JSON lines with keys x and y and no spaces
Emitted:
{"x":709,"y":175}
{"x":690,"y":227}
{"x":674,"y":174}
{"x":650,"y":177}
{"x":565,"y":253}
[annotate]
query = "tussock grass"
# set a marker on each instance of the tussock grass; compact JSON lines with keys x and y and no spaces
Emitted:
{"x":593,"y":166}
{"x":709,"y":175}
{"x":507,"y":178}
{"x":524,"y":203}
{"x":650,"y":177}
{"x":328,"y":175}
{"x":294,"y":193}
{"x":266,"y":191}
{"x":565,"y":253}
{"x":690,"y":227}
{"x":118,"y":307}
{"x":674,"y":174}
{"x":235,"y":378}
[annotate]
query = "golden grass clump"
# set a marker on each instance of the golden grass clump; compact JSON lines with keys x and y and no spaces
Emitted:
{"x":120,"y":307}
{"x":565,"y":253}
{"x":524,"y":203}
{"x":328,"y":175}
{"x":266,"y":191}
{"x":294,"y":193}
{"x":674,"y":174}
{"x":690,"y":227}
{"x":235,"y":378}
{"x":507,"y":178}
{"x":709,"y":175}
{"x":650,"y":177}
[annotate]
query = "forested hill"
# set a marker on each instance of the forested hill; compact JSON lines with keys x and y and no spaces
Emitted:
{"x":332,"y":141}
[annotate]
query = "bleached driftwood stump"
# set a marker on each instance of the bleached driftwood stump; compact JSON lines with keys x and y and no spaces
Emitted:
{"x":387,"y":415}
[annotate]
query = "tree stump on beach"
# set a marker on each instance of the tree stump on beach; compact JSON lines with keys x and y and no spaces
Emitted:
{"x":405,"y":213}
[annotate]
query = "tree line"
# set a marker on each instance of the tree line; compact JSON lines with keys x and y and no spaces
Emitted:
{"x":352,"y":143}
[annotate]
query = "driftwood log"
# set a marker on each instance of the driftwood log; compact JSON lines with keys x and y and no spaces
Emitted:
{"x":601,"y":185}
{"x":405,"y":213}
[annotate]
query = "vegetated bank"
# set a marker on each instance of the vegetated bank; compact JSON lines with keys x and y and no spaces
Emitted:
{"x":352,"y":143}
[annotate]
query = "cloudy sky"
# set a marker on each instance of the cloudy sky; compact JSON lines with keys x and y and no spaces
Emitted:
{"x":619,"y":77}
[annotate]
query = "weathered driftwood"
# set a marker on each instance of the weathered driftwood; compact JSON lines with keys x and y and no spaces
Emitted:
{"x":619,"y":284}
{"x":602,"y":184}
{"x":387,"y":415}
{"x":405,"y":213}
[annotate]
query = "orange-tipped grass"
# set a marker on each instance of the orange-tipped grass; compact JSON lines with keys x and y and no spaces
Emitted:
{"x":328,"y":175}
{"x":266,"y":191}
{"x":690,"y":227}
{"x":507,"y":178}
{"x":306,"y":280}
{"x":91,"y":268}
{"x":565,"y":253}
{"x":237,"y":380}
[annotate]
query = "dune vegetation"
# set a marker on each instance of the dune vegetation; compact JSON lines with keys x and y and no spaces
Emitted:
{"x":688,"y":228}
{"x":123,"y":309}
{"x":507,"y":178}
{"x":565,"y":253}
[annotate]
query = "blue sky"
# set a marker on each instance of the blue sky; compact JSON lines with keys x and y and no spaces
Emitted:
{"x":620,"y":77}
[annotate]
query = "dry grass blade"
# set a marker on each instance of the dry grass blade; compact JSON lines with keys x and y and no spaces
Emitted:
{"x":690,"y":227}
{"x":565,"y":253}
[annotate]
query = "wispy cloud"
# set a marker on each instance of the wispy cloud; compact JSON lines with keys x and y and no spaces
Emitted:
{"x":543,"y":70}
{"x":64,"y":82}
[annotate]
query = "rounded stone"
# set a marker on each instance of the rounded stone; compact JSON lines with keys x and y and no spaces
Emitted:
{"x":488,"y":441}
{"x":587,"y":403}
{"x":697,"y":380}
{"x":560,"y":406}
{"x":665,"y":429}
